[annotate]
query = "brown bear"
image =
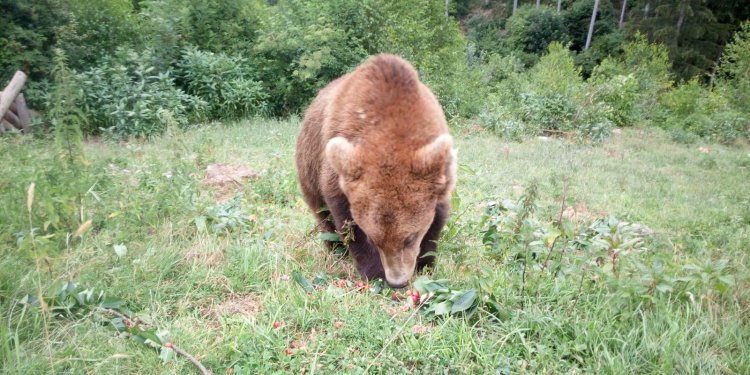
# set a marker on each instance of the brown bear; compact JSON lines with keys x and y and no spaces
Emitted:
{"x":374,"y":154}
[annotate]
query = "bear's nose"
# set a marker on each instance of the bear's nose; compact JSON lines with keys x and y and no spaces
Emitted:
{"x":397,"y":286}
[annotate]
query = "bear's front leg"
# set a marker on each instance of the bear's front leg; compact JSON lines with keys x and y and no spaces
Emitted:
{"x":364,"y":253}
{"x":429,"y":241}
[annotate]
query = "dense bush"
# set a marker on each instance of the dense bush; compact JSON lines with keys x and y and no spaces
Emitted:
{"x":124,"y":96}
{"x":694,"y":109}
{"x":735,"y":70}
{"x":551,"y":97}
{"x":531,"y":29}
{"x":95,"y":31}
{"x":642,"y":72}
{"x":224,"y":82}
{"x":577,"y":18}
{"x":220,"y":26}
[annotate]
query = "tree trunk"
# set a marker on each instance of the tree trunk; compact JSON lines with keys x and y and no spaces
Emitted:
{"x":538,"y":2}
{"x":622,"y":13}
{"x":446,"y":7}
{"x":559,"y":3}
{"x":515,"y":6}
{"x":11,"y":91}
{"x":678,"y":27}
{"x":591,"y":25}
{"x":646,"y":8}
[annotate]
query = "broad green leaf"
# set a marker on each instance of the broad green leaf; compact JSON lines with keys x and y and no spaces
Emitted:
{"x":112,"y":302}
{"x":464,"y":302}
{"x":442,"y":308}
{"x":302,"y":281}
{"x":166,"y":354}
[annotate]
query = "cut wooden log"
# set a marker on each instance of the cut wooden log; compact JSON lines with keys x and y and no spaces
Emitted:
{"x":5,"y":125}
{"x":11,"y":118}
{"x":22,"y":111}
{"x":10,"y":92}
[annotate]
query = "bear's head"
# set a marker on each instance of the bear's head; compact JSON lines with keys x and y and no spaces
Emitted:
{"x":393,"y":194}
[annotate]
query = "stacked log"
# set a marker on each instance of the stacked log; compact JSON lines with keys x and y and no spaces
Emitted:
{"x":13,"y":109}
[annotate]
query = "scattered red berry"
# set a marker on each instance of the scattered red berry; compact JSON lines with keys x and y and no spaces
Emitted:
{"x":276,"y":324}
{"x":395,"y":296}
{"x":230,"y":370}
{"x":360,"y":285}
{"x":168,"y":345}
{"x":415,"y":297}
{"x":289,"y":351}
{"x":338,"y":324}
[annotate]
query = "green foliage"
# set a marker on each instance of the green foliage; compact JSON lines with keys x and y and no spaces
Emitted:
{"x":301,"y":49}
{"x":577,"y":18}
{"x":735,"y":70}
{"x":95,"y":31}
{"x":531,"y":29}
{"x":551,"y":97}
{"x":633,"y":82}
{"x":228,"y":26}
{"x":485,"y":32}
{"x":225,"y":83}
{"x":706,"y":113}
{"x":28,"y":39}
{"x":125,"y":96}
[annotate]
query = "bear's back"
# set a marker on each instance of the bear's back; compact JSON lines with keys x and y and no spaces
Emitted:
{"x":383,"y":104}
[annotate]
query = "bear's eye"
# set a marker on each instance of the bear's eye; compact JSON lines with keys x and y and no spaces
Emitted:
{"x":410,"y":240}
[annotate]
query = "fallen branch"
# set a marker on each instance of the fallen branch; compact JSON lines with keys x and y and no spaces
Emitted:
{"x":132,"y":323}
{"x":195,"y":362}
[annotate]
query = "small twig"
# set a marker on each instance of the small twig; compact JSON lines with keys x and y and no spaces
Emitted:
{"x":523,"y":276}
{"x":195,"y":362}
{"x":393,"y":338}
{"x":559,"y":222}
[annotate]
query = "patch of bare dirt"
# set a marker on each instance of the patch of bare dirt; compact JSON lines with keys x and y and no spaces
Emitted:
{"x":244,"y":305}
{"x":226,"y":179}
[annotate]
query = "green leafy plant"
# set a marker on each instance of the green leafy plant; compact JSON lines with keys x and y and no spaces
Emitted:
{"x":225,"y":83}
{"x":124,"y":96}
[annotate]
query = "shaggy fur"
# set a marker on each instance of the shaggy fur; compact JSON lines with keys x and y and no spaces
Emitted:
{"x":374,"y":149}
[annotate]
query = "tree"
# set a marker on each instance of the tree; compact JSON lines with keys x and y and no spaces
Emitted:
{"x":591,"y":25}
{"x":622,"y":13}
{"x":690,"y":29}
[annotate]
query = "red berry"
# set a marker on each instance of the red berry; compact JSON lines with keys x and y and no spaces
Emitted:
{"x":338,"y":325}
{"x":230,"y":370}
{"x":415,"y":297}
{"x":408,"y":292}
{"x":289,"y":351}
{"x":276,"y":324}
{"x":168,"y":345}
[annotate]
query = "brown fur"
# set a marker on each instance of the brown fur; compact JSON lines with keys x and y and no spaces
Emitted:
{"x":374,"y":149}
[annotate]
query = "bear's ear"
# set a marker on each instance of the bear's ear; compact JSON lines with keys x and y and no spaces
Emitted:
{"x":341,"y":153}
{"x":439,"y":159}
{"x":433,"y":156}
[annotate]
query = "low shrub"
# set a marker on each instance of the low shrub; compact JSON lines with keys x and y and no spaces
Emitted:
{"x":224,"y":82}
{"x":706,"y":113}
{"x":124,"y":96}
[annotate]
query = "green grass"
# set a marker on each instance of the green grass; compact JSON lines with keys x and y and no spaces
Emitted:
{"x":218,"y":293}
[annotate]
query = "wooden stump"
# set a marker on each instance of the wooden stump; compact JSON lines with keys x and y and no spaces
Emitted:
{"x":11,"y":91}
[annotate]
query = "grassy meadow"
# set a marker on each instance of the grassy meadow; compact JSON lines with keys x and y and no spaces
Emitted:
{"x":213,"y":267}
